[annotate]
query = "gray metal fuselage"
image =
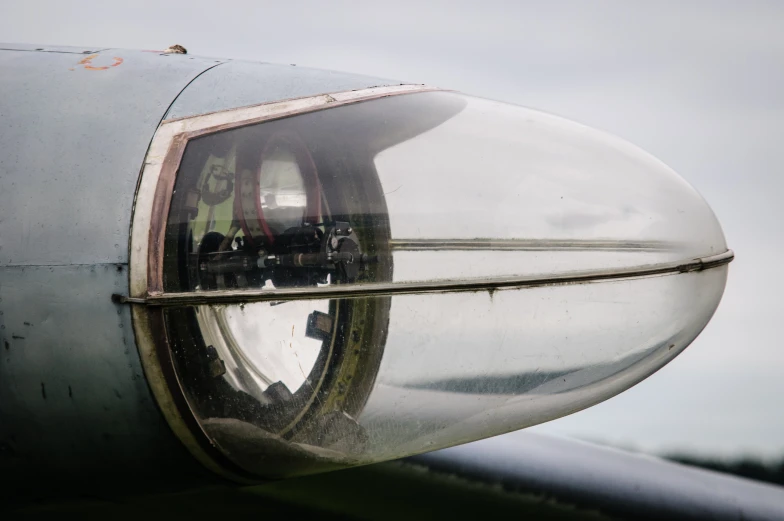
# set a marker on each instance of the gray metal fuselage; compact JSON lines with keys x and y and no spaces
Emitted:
{"x":75,"y":126}
{"x":75,"y":406}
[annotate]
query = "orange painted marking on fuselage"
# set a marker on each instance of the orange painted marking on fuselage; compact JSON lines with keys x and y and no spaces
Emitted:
{"x":86,"y":62}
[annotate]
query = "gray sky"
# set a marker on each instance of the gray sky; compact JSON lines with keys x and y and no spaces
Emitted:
{"x":698,"y":84}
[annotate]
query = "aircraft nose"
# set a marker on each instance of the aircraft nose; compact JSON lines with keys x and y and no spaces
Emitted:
{"x":367,"y":275}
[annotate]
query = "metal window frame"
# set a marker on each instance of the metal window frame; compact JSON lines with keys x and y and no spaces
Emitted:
{"x":148,"y":227}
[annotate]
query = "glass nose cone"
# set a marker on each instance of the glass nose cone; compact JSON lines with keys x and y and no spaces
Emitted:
{"x":395,"y":275}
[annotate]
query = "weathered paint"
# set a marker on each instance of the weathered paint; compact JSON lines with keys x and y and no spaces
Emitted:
{"x":72,"y":145}
{"x":87,"y":63}
{"x":240,"y":84}
{"x":73,"y":397}
{"x":74,"y":401}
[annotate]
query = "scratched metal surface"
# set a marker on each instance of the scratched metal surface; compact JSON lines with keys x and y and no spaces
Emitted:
{"x":72,"y":141}
{"x":73,"y":399}
{"x":239,"y":83}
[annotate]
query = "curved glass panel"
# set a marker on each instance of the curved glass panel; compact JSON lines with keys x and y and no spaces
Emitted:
{"x":466,"y":187}
{"x":412,"y":189}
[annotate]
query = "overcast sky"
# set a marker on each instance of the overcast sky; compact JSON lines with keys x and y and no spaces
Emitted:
{"x":698,"y":84}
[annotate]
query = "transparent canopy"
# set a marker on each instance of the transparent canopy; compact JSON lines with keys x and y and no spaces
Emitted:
{"x":393,"y":276}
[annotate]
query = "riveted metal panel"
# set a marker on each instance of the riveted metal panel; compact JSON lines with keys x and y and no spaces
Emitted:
{"x":73,"y":398}
{"x":74,"y":130}
{"x":239,"y":84}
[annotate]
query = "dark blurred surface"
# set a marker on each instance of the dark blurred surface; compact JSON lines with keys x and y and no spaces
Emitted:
{"x":389,"y":491}
{"x":768,"y":472}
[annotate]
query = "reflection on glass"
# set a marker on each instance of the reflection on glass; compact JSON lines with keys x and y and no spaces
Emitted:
{"x":282,"y":189}
{"x":464,"y":366}
{"x":460,"y":367}
{"x":412,"y":188}
{"x":454,"y":180}
{"x":260,"y":348}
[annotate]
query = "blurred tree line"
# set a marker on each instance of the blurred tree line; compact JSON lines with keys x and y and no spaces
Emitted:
{"x":770,"y":472}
